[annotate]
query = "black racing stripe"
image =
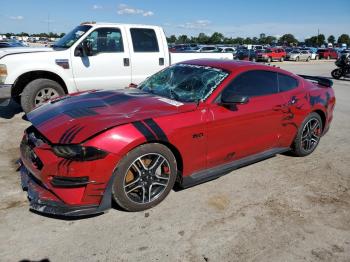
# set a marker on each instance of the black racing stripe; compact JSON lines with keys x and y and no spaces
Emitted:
{"x":62,"y":138}
{"x":156,"y":129}
{"x":74,"y":135}
{"x":141,"y":127}
{"x":80,"y":112}
{"x":69,"y":134}
{"x":49,"y":112}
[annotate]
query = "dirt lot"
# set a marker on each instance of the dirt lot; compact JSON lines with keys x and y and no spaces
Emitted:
{"x":282,"y":209}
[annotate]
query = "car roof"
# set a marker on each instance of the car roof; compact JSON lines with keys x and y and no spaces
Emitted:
{"x":232,"y":65}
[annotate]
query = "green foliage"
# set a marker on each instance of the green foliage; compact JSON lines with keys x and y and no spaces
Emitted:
{"x":344,"y":39}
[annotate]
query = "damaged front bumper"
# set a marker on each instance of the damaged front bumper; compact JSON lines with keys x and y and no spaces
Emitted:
{"x":44,"y":201}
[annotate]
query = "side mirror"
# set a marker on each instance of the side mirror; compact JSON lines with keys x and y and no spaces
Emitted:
{"x":84,"y":49}
{"x":234,"y":99}
{"x":79,"y":51}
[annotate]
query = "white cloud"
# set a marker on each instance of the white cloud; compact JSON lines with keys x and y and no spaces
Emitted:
{"x":124,"y":9}
{"x":199,"y":24}
{"x":19,"y":17}
{"x":97,"y":7}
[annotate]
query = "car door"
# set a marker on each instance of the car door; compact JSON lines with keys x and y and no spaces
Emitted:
{"x":147,"y":52}
{"x":293,"y":108}
{"x":240,"y":130}
{"x":104,"y":67}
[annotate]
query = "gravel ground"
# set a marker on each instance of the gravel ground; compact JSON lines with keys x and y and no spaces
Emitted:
{"x":281,"y":209}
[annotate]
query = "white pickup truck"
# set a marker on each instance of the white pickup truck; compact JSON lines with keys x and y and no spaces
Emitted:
{"x":91,"y":56}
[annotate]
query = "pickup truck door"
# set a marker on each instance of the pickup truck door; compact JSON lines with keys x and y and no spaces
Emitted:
{"x":149,"y":53}
{"x":108,"y":65}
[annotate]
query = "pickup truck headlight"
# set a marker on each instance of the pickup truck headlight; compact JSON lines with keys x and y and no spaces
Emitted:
{"x":78,"y":152}
{"x":3,"y":73}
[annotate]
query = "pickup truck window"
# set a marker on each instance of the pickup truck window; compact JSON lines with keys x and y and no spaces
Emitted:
{"x":106,"y":40}
{"x":69,"y":39}
{"x":184,"y":82}
{"x":144,"y":40}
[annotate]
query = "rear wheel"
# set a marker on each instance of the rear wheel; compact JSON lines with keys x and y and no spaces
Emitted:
{"x":336,"y":73}
{"x":308,"y":136}
{"x":328,"y":57}
{"x":39,"y":91}
{"x":144,"y":177}
{"x":282,"y":59}
{"x":297,"y":59}
{"x":317,"y":57}
{"x":308,"y":59}
{"x":269,"y":59}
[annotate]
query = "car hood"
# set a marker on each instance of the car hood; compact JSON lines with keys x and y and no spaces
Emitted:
{"x":23,"y":50}
{"x":77,"y":117}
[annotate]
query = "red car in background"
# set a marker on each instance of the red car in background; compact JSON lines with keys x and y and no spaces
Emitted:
{"x":327,"y":53}
{"x":189,"y":123}
{"x":271,"y":54}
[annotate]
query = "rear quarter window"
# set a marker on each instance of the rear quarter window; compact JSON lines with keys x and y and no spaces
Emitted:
{"x":144,"y":40}
{"x":286,"y":83}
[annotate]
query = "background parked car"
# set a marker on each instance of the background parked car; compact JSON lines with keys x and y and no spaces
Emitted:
{"x":225,"y":49}
{"x":11,"y":44}
{"x":271,"y":54}
{"x":313,"y":52}
{"x":206,"y":49}
{"x":327,"y":53}
{"x":299,"y":55}
{"x":246,"y":54}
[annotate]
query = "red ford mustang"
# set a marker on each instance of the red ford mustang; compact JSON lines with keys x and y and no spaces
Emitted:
{"x":189,"y":123}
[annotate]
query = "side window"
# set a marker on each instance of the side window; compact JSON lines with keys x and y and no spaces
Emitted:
{"x":253,"y":83}
{"x":144,"y":40}
{"x":106,"y":40}
{"x":286,"y":83}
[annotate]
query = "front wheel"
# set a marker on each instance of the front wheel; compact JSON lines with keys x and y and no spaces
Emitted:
{"x":282,"y":59}
{"x":269,"y":60}
{"x":144,"y":177}
{"x":308,"y":135}
{"x":336,"y":73}
{"x":39,"y":91}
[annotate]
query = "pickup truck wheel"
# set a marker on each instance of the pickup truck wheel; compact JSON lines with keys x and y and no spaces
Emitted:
{"x":282,"y":59}
{"x":38,"y":92}
{"x":144,"y":177}
{"x":269,"y":60}
{"x":328,"y":57}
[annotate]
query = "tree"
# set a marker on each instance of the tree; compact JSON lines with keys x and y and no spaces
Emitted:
{"x":182,"y":39}
{"x":202,"y":38}
{"x":331,"y":39}
{"x":269,"y":40}
{"x":321,"y":39}
{"x":62,"y":35}
{"x":344,"y":39}
{"x":216,"y":38}
{"x":171,"y":39}
{"x":288,"y":39}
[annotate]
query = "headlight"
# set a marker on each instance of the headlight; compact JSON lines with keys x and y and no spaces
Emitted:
{"x":3,"y":73}
{"x":79,"y":153}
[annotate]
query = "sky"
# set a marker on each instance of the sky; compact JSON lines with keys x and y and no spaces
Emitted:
{"x":245,"y":18}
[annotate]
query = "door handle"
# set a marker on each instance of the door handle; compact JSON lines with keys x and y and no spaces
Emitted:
{"x":126,"y":62}
{"x":161,"y":61}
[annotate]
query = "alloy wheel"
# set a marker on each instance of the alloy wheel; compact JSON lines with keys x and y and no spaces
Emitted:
{"x":146,"y":178}
{"x":44,"y":95}
{"x":311,"y":135}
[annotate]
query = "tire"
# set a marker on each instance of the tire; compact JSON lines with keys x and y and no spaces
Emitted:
{"x":36,"y":87}
{"x":308,"y":135}
{"x":308,"y":59}
{"x":142,"y":192}
{"x":297,"y":59}
{"x":317,"y":57}
{"x":336,"y":73}
{"x":328,"y":57}
{"x":253,"y":59}
{"x":269,"y":60}
{"x":282,"y":59}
